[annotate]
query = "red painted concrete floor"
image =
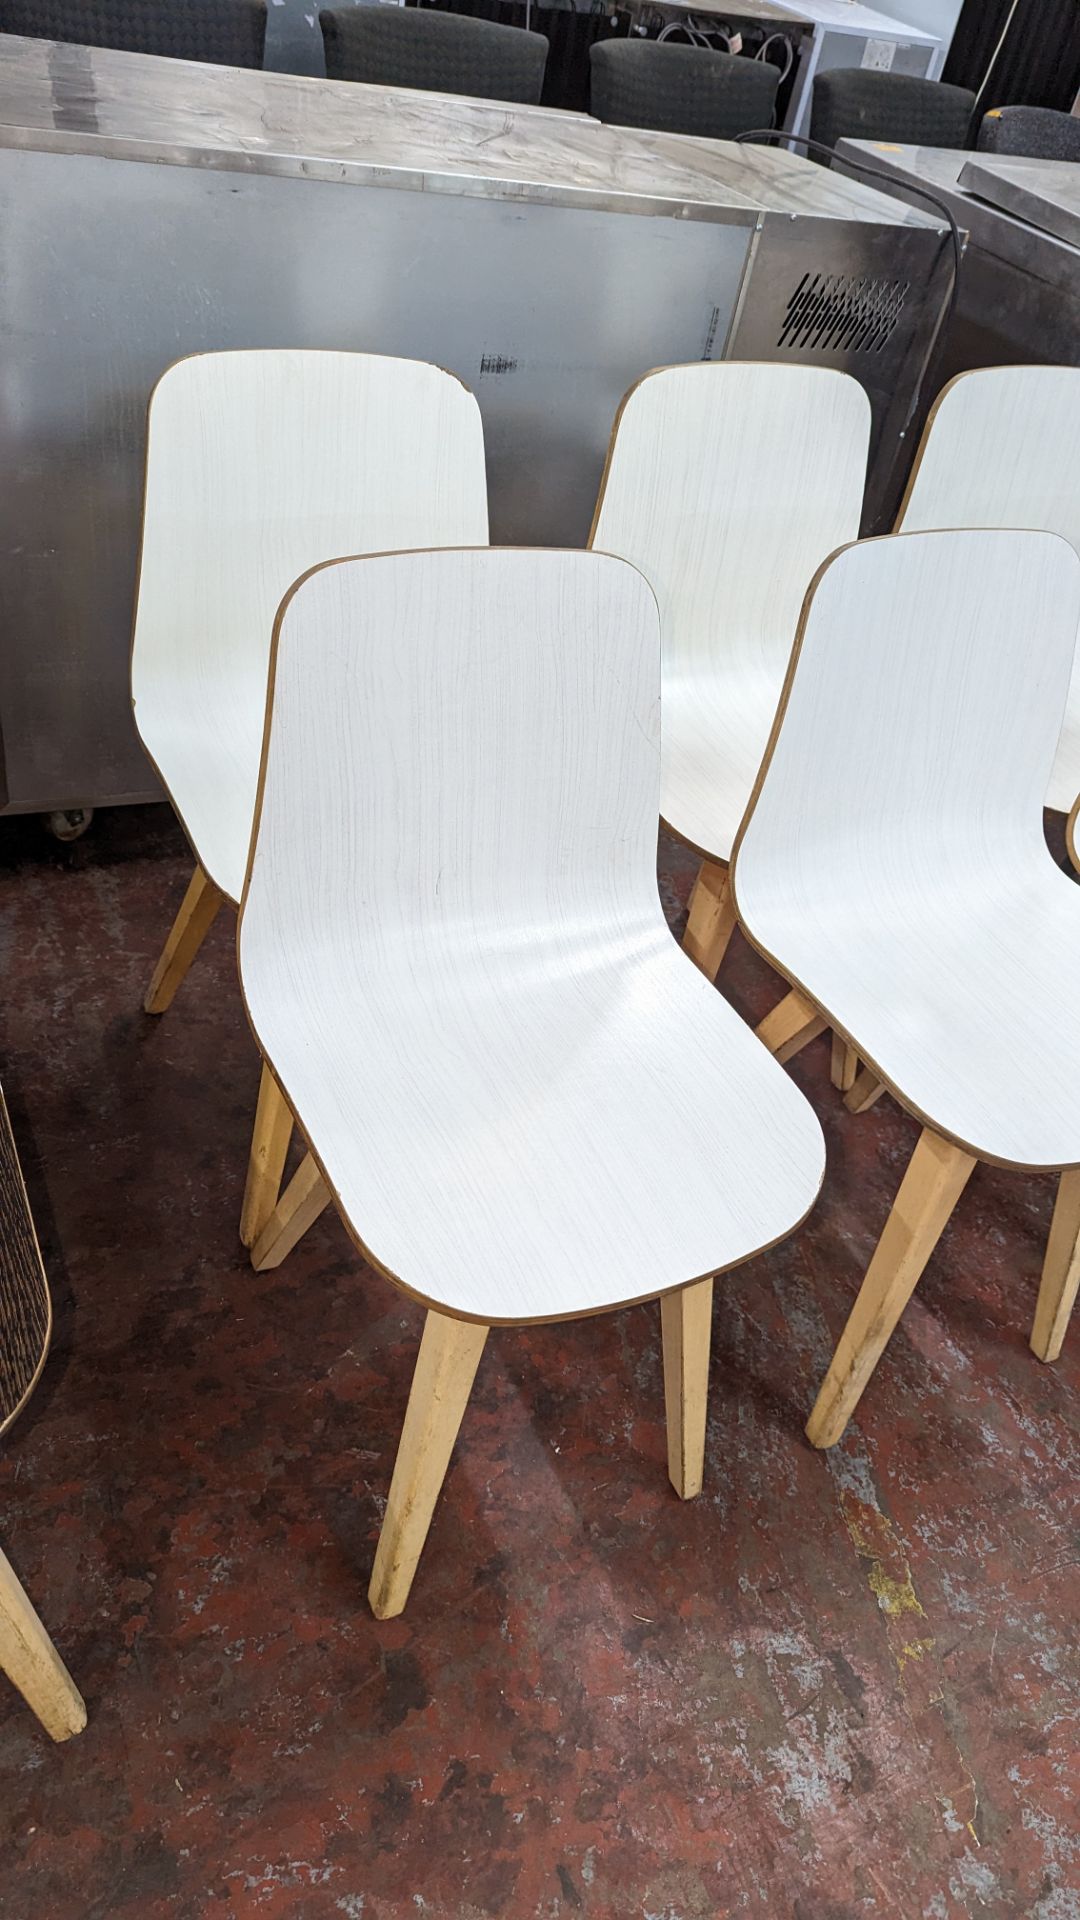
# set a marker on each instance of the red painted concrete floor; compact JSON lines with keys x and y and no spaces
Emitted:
{"x":832,"y":1686}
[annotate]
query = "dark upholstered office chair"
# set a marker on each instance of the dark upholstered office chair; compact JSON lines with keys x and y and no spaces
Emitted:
{"x":678,"y":89}
{"x":436,"y":52}
{"x":849,"y":104}
{"x":1040,"y":133}
{"x":27,"y":1655}
{"x":227,"y":33}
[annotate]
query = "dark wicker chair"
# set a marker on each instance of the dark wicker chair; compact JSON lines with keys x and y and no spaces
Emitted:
{"x":672,"y":88}
{"x":27,"y":1655}
{"x":850,"y":104}
{"x":227,"y":33}
{"x":1039,"y":133}
{"x":435,"y":52}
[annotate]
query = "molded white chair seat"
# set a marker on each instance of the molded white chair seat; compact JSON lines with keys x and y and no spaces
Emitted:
{"x":525,"y":1102}
{"x":260,"y":464}
{"x":963,"y":1018}
{"x":728,"y":484}
{"x":999,"y":450}
{"x":907,"y":890}
{"x":534,"y":1128}
{"x":714,"y":736}
{"x":216,"y":768}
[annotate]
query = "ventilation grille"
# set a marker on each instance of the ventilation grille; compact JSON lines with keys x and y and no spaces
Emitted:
{"x":842,"y":312}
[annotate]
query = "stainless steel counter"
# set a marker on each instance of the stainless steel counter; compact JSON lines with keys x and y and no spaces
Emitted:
{"x":1019,"y":295}
{"x":152,"y":208}
{"x":1042,"y":193}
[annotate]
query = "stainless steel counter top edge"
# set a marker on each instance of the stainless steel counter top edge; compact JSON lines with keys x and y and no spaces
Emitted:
{"x":1004,"y":236}
{"x":67,"y":99}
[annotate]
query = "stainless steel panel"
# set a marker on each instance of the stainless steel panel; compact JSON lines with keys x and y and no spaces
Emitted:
{"x":866,"y":300}
{"x":114,"y":270}
{"x":152,"y":208}
{"x":1045,"y":193}
{"x":997,"y":234}
{"x":1019,"y":293}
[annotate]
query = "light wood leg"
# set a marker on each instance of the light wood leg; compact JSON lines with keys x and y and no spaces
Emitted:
{"x":445,"y":1370}
{"x":711,"y":920}
{"x":266,"y":1161}
{"x":845,"y":1064}
{"x":936,"y":1176}
{"x":188,"y":931}
{"x":1061,"y":1271}
{"x":31,"y":1662}
{"x":1072,"y":835}
{"x":686,"y":1319}
{"x":791,"y":1026}
{"x":863,"y":1091}
{"x":306,"y":1196}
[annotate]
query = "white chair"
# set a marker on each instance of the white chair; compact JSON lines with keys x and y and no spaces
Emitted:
{"x":727,"y":485}
{"x":261,"y":464}
{"x":524,"y":1102}
{"x":906,"y":889}
{"x":999,"y":450}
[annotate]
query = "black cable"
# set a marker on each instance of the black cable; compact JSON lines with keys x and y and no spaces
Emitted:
{"x":771,"y":137}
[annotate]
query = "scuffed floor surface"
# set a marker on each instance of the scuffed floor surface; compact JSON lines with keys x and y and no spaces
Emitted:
{"x":832,"y":1686}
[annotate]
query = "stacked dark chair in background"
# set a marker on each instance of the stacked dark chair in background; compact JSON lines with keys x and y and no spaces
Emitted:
{"x":1040,"y":133}
{"x":680,"y":89}
{"x":849,"y":104}
{"x":228,"y":33}
{"x":434,"y":51}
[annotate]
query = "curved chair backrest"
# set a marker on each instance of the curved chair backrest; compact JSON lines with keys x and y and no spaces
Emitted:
{"x":1039,"y":133}
{"x":491,"y":776}
{"x":227,"y":33}
{"x":999,"y":451}
{"x":25,"y":1308}
{"x":388,"y":46}
{"x":850,"y":104}
{"x":939,"y":659}
{"x":728,"y":485}
{"x":678,"y":89}
{"x":261,"y":464}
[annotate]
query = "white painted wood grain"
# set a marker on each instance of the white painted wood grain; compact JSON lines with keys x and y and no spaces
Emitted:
{"x":260,"y":465}
{"x":528,"y":1100}
{"x":728,"y":485}
{"x":1000,"y":450}
{"x":905,"y":883}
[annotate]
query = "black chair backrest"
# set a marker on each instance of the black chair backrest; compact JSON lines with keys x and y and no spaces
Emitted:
{"x":678,"y":89}
{"x":227,"y":33}
{"x":850,"y":104}
{"x":437,"y":52}
{"x":1039,"y":133}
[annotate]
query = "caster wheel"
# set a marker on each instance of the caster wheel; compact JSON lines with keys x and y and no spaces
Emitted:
{"x":68,"y":823}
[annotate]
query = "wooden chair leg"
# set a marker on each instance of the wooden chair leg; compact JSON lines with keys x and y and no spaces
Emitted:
{"x":936,"y":1176}
{"x":266,"y":1161}
{"x":31,"y":1662}
{"x":791,"y":1026}
{"x":863,"y":1091}
{"x":686,"y":1320}
{"x":1072,"y":835}
{"x":306,"y":1196}
{"x":845,"y":1065}
{"x":1061,"y":1271}
{"x":445,"y":1370}
{"x":711,"y":921}
{"x":188,"y":931}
